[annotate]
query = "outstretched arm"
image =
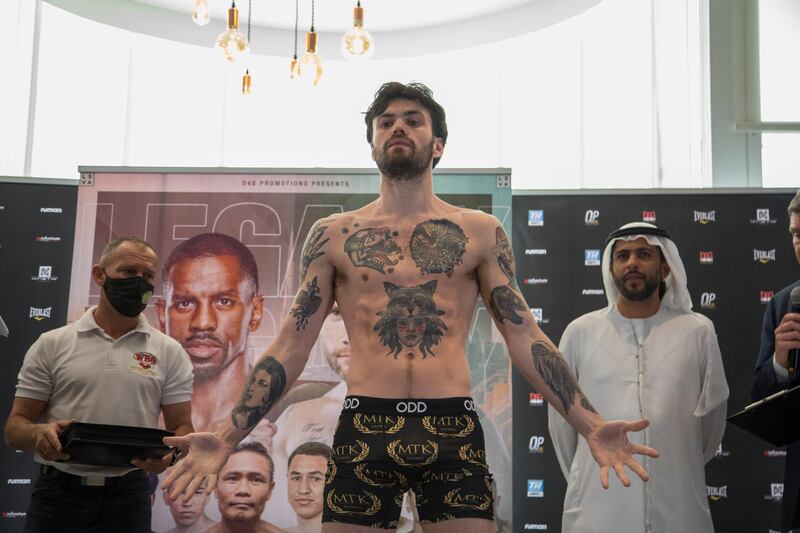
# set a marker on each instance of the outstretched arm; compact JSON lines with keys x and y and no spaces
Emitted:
{"x":535,"y":356}
{"x":279,"y":366}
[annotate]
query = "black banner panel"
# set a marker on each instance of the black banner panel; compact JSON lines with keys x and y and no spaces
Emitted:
{"x":37,"y":228}
{"x":737,"y":253}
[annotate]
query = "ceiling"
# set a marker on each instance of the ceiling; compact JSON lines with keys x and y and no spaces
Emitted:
{"x":337,"y":15}
{"x":405,"y":28}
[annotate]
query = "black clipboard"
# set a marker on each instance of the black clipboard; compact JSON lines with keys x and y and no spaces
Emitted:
{"x":109,"y":445}
{"x":774,"y":418}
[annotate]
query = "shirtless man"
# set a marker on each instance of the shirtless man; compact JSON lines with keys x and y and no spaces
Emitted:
{"x":210,"y":305}
{"x":190,"y":516}
{"x":406,"y":271}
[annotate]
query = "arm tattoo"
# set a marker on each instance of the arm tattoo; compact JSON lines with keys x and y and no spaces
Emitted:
{"x":311,"y":249}
{"x":306,"y":304}
{"x":411,"y":319}
{"x":557,"y":376}
{"x":373,"y":248}
{"x":505,"y":257}
{"x":504,"y":302}
{"x":264,"y":387}
{"x":437,"y":246}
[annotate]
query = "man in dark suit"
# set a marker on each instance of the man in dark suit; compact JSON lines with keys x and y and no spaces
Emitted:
{"x":780,"y":333}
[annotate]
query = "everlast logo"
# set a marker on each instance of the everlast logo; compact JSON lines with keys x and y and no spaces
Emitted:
{"x":40,"y":313}
{"x":411,"y":407}
{"x":715,"y":493}
{"x":704,"y":217}
{"x":764,"y":256}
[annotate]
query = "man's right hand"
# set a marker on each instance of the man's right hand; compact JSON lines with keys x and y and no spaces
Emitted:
{"x":787,"y":337}
{"x":204,"y":456}
{"x":46,"y":443}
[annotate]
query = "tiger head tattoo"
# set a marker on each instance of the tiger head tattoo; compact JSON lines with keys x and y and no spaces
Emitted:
{"x":411,"y":319}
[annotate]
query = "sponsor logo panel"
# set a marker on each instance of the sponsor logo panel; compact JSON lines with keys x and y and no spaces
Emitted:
{"x":40,"y":313}
{"x":763,"y":256}
{"x":535,"y":217}
{"x":536,"y":444}
{"x":649,"y":216}
{"x":591,"y":257}
{"x":705,"y":217}
{"x":762,"y":218}
{"x":592,"y":217}
{"x":708,"y":300}
{"x":706,"y":257}
{"x":535,"y":488}
{"x":715,"y":493}
{"x":45,"y":274}
{"x":765,"y":296}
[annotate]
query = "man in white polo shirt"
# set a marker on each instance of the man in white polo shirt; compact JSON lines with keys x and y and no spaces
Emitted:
{"x":109,"y":367}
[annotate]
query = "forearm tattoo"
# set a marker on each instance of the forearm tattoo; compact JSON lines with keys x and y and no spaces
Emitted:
{"x":411,"y":319}
{"x":312,"y":249}
{"x":505,"y":257}
{"x":306,"y":304}
{"x":373,"y":248}
{"x":557,"y":376}
{"x":265,"y":386}
{"x":504,"y":302}
{"x":437,"y":246}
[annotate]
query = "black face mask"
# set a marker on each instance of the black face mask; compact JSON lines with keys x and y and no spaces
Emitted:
{"x":128,"y":296}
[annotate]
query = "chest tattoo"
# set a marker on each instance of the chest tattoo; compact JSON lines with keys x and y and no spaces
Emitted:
{"x":373,"y":248}
{"x":438,"y":246}
{"x":410,"y":319}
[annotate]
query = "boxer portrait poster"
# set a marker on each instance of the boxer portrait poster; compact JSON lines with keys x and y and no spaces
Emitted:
{"x":229,"y":242}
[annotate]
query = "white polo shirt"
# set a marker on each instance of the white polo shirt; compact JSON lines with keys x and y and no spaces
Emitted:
{"x":85,"y":374}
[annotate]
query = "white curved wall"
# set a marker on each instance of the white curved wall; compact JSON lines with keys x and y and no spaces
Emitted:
{"x":579,"y":104}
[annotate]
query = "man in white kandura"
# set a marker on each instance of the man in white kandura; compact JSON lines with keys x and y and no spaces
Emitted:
{"x":645,"y":355}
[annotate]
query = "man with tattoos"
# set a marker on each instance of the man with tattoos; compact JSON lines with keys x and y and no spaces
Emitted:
{"x":210,"y":305}
{"x":630,"y":357}
{"x":408,"y":421}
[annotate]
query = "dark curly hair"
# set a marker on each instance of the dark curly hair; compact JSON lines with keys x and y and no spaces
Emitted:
{"x":415,"y":91}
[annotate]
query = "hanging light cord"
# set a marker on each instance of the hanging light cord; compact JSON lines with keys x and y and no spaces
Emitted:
{"x":296,"y":16}
{"x":312,"y":15}
{"x":249,"y":9}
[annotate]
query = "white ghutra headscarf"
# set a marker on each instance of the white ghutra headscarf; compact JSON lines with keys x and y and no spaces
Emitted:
{"x":677,"y":295}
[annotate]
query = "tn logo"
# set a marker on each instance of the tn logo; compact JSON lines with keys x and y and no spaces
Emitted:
{"x":411,"y":407}
{"x":351,"y":403}
{"x":469,"y":405}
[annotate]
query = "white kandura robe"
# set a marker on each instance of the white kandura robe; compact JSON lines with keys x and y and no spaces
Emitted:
{"x":666,"y":368}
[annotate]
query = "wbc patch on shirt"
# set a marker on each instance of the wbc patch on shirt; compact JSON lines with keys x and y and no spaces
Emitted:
{"x":145,"y":361}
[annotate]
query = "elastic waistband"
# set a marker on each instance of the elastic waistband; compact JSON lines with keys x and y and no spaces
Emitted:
{"x":408,"y":406}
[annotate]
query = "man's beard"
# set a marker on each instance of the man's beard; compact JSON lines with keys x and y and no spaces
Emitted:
{"x":402,"y":167}
{"x":648,"y":288}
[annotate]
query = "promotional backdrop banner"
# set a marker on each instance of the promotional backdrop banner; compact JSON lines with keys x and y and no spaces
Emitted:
{"x":37,"y":220}
{"x":224,"y":297}
{"x":737,"y":253}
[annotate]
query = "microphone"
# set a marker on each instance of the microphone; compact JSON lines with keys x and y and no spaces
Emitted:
{"x":794,"y":353}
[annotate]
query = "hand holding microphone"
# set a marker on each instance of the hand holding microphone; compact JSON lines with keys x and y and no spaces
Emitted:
{"x":787,"y":335}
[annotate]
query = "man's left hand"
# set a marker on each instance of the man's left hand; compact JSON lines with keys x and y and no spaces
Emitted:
{"x":611,"y":448}
{"x":154,"y":466}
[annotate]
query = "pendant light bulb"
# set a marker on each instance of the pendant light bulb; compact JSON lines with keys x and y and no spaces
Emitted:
{"x":233,"y":43}
{"x":294,"y":68}
{"x":358,"y":44}
{"x":247,"y":82}
{"x":310,"y":65}
{"x":200,"y":12}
